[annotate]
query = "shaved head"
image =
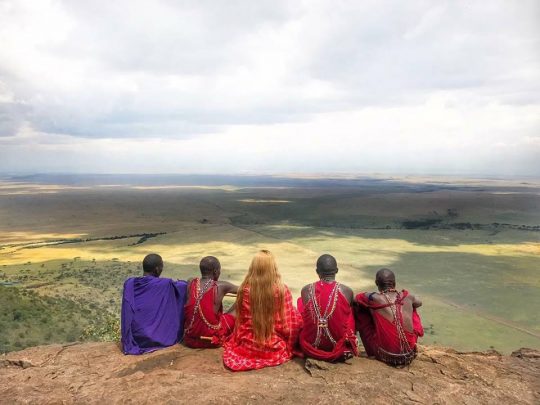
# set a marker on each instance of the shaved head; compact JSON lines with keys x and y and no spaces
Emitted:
{"x":209,"y":265}
{"x":152,"y":264}
{"x":326,"y":265}
{"x":385,"y":279}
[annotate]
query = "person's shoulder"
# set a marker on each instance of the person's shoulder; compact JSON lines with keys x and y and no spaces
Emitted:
{"x":149,"y":281}
{"x":406,"y":294}
{"x":306,"y":287}
{"x":345,"y":288}
{"x":162,"y":281}
{"x":409,"y":296}
{"x":362,"y":297}
{"x":129,"y":281}
{"x":226,"y":287}
{"x":304,"y":292}
{"x":135,"y":279}
{"x":363,"y":294}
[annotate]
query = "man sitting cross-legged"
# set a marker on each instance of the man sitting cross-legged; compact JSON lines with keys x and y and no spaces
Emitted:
{"x":205,"y":323}
{"x":328,"y":332}
{"x":388,"y":322}
{"x":152,"y":309}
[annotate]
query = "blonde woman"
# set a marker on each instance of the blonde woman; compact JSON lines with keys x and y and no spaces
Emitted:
{"x":267,"y":323}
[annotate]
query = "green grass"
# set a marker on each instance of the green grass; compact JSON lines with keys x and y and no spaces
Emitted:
{"x":461,"y":329}
{"x":481,"y":288}
{"x":28,"y":319}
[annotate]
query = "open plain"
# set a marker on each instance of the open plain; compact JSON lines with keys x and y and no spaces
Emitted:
{"x":469,"y":248}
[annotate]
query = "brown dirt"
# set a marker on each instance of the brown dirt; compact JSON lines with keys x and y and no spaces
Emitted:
{"x":100,"y":373}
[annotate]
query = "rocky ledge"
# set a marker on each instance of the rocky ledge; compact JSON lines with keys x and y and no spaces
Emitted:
{"x":100,"y":373}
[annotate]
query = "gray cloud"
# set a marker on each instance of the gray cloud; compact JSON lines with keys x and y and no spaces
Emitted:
{"x":125,"y":58}
{"x":181,"y":70}
{"x":442,"y":46}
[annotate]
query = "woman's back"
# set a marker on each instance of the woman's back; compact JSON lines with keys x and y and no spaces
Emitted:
{"x":243,"y":352}
{"x":267,"y":325}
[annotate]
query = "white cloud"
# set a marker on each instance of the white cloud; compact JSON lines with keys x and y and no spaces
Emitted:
{"x":347,"y":86}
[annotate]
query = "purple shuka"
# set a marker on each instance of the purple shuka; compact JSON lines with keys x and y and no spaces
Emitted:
{"x":152,"y":313}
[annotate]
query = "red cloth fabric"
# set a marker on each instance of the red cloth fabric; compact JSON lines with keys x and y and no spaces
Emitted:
{"x":241,"y":352}
{"x":377,"y":331}
{"x":340,"y":325}
{"x":197,"y":333}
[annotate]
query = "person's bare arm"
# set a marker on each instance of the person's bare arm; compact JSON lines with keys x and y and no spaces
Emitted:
{"x":347,"y":293}
{"x":224,"y":288}
{"x":227,"y":288}
{"x":305,"y":294}
{"x":416,"y":302}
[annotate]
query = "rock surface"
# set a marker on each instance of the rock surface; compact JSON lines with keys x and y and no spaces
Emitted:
{"x":100,"y":373}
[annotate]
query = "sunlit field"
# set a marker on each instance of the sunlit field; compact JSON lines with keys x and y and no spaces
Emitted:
{"x":470,"y":249}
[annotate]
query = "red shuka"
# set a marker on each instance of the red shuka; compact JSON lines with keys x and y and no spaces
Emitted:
{"x":378,"y":332}
{"x":328,"y":332}
{"x":202,"y":326}
{"x":241,"y":352}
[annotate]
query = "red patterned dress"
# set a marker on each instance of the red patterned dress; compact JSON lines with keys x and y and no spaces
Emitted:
{"x":242,"y":352}
{"x":203,"y":327}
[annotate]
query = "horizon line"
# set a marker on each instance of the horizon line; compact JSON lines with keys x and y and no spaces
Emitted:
{"x":341,"y":175}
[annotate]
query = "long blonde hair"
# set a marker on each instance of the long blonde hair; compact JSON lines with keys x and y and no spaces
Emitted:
{"x":262,"y":279}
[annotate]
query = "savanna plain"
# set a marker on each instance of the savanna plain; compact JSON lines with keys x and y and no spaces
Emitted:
{"x":469,"y":248}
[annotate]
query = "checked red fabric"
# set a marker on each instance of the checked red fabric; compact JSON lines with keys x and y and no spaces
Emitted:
{"x":241,"y":352}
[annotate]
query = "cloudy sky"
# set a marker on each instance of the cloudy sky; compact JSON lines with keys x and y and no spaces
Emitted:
{"x":431,"y":87}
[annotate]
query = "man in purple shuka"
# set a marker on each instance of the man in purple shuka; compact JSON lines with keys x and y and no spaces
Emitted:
{"x":152,"y":309}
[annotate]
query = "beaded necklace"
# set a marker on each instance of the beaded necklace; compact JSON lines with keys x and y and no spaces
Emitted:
{"x":322,"y":319}
{"x":398,"y":319}
{"x":197,"y":309}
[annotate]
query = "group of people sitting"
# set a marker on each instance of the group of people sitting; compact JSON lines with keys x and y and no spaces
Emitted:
{"x":263,"y":328}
